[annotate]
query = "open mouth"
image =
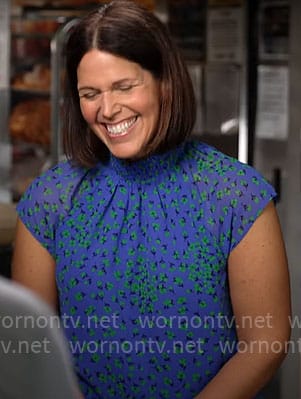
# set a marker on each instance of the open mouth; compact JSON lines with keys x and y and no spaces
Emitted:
{"x":120,"y":129}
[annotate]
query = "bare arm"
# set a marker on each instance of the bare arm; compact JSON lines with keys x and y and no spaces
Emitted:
{"x":259,"y":287}
{"x":33,"y":266}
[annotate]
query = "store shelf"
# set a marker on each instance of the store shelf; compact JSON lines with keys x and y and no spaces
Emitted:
{"x":30,"y":92}
{"x":36,"y":70}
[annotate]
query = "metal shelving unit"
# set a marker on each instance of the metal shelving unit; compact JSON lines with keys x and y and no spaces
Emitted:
{"x":5,"y":151}
{"x":46,"y":151}
{"x":57,"y":58}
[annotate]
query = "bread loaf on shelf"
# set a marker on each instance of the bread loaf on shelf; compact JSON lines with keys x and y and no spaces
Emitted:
{"x":38,"y":78}
{"x":30,"y":121}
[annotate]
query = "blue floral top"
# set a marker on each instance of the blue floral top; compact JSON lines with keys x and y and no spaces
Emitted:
{"x":141,"y":253}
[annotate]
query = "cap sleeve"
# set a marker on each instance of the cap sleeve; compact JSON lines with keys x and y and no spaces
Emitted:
{"x":46,"y":202}
{"x":247,"y":193}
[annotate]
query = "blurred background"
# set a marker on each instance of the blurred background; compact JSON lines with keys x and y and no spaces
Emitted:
{"x":244,"y":57}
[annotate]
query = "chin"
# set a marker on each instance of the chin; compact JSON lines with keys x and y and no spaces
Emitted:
{"x":125,"y":154}
{"x":127,"y":150}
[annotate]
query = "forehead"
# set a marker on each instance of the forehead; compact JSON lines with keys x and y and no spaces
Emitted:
{"x":102,"y":66}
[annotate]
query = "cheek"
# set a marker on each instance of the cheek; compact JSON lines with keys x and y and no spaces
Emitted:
{"x":88,"y":112}
{"x":152,"y":110}
{"x":147,"y":105}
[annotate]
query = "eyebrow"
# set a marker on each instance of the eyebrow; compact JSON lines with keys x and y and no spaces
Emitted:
{"x":86,"y":88}
{"x":114,"y":84}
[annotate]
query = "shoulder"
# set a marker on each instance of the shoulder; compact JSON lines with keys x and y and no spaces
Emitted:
{"x":50,"y":198}
{"x":60,"y":175}
{"x":210,"y":160}
{"x":232,"y":193}
{"x":25,"y":310}
{"x":56,"y":186}
{"x":223,"y":172}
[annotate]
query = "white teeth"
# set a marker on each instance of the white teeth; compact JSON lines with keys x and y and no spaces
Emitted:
{"x":120,"y":128}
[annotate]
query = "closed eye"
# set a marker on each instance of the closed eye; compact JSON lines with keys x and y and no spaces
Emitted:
{"x":89,"y":95}
{"x":125,"y":85}
{"x":123,"y":88}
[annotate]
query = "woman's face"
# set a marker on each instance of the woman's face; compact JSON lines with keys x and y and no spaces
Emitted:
{"x":119,"y":101}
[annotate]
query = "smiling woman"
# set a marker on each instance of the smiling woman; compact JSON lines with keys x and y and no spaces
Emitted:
{"x":144,"y":226}
{"x":137,"y":58}
{"x":121,"y":105}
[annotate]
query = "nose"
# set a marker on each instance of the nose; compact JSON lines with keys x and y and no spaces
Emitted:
{"x":108,"y":106}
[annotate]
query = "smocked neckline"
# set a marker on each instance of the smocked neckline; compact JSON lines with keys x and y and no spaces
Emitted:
{"x":147,"y":169}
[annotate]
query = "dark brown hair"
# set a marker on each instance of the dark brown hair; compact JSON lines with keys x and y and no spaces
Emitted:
{"x":126,"y":29}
